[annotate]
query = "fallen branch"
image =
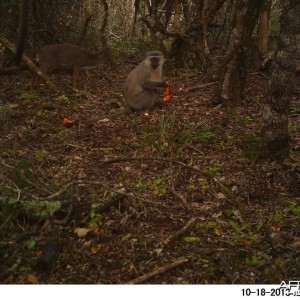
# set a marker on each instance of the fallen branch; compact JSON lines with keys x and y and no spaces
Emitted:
{"x":184,"y":229}
{"x":122,"y":159}
{"x":112,"y":200}
{"x":29,"y":63}
{"x":172,"y":187}
{"x":198,"y":87}
{"x":159,"y":270}
{"x":81,"y":182}
{"x":11,"y":70}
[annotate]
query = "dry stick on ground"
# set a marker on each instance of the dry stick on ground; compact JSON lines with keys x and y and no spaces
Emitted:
{"x":29,"y":63}
{"x":198,"y":87}
{"x":184,"y":229}
{"x":122,"y":159}
{"x":159,"y":270}
{"x":172,"y":188}
{"x":81,"y":182}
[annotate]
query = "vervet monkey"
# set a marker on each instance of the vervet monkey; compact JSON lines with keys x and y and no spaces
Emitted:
{"x":142,"y":84}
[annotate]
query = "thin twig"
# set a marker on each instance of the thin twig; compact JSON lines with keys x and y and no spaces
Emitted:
{"x":159,"y":270}
{"x":198,"y":87}
{"x":184,"y":229}
{"x":172,"y":188}
{"x":81,"y":182}
{"x":122,"y":159}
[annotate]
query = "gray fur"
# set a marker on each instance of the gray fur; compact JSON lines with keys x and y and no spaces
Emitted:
{"x":142,"y":84}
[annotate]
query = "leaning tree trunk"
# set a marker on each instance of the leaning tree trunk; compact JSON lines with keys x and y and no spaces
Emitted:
{"x":262,"y":39}
{"x":103,"y":34}
{"x":230,"y":90}
{"x":276,"y":110}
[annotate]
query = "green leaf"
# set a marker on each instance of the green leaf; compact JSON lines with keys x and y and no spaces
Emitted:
{"x":191,"y":239}
{"x":30,"y":244}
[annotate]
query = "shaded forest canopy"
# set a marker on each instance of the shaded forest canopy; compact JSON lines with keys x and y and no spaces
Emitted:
{"x":204,"y":188}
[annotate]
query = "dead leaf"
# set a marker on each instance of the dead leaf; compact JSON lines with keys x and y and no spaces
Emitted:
{"x":96,"y":231}
{"x":32,"y":279}
{"x":82,"y":231}
{"x":296,"y":244}
{"x":217,"y":215}
{"x":95,"y":249}
{"x":218,"y":231}
{"x":221,"y":196}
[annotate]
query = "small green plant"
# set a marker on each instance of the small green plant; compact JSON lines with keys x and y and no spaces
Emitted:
{"x":197,"y":132}
{"x":40,"y":154}
{"x":5,"y":112}
{"x":192,"y":184}
{"x":229,"y":213}
{"x":170,"y":133}
{"x":63,"y":100}
{"x":242,"y":234}
{"x":277,"y":216}
{"x":7,"y":115}
{"x":161,"y":134}
{"x":251,"y":145}
{"x":157,"y":185}
{"x":254,"y":261}
{"x":8,"y":210}
{"x":22,"y":173}
{"x":213,"y":170}
{"x":293,"y":127}
{"x":28,"y":97}
{"x":245,"y":120}
{"x":93,"y":219}
{"x":30,"y":244}
{"x":210,"y":225}
{"x":295,"y":110}
{"x":292,"y":206}
{"x":204,"y":185}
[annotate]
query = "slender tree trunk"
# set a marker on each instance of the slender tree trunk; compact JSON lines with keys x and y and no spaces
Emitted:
{"x":103,"y":28}
{"x":230,"y":90}
{"x":262,"y":39}
{"x":276,"y":110}
{"x":177,"y":13}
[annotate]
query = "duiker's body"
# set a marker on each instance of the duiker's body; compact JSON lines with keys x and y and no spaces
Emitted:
{"x":68,"y":56}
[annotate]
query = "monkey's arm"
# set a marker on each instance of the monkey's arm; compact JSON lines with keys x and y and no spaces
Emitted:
{"x":152,"y":85}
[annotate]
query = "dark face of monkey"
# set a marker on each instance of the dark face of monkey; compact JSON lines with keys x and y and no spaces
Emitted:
{"x":155,"y":58}
{"x":142,"y":84}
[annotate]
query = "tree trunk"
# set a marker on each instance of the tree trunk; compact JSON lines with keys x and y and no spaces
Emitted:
{"x":103,"y":34}
{"x":275,"y":113}
{"x":230,"y":90}
{"x":177,"y":13}
{"x":261,"y":42}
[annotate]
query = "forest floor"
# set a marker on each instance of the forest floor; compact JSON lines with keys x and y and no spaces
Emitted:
{"x":176,"y":195}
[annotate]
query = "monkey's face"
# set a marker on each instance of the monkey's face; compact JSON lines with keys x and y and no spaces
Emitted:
{"x":155,"y":62}
{"x":155,"y":59}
